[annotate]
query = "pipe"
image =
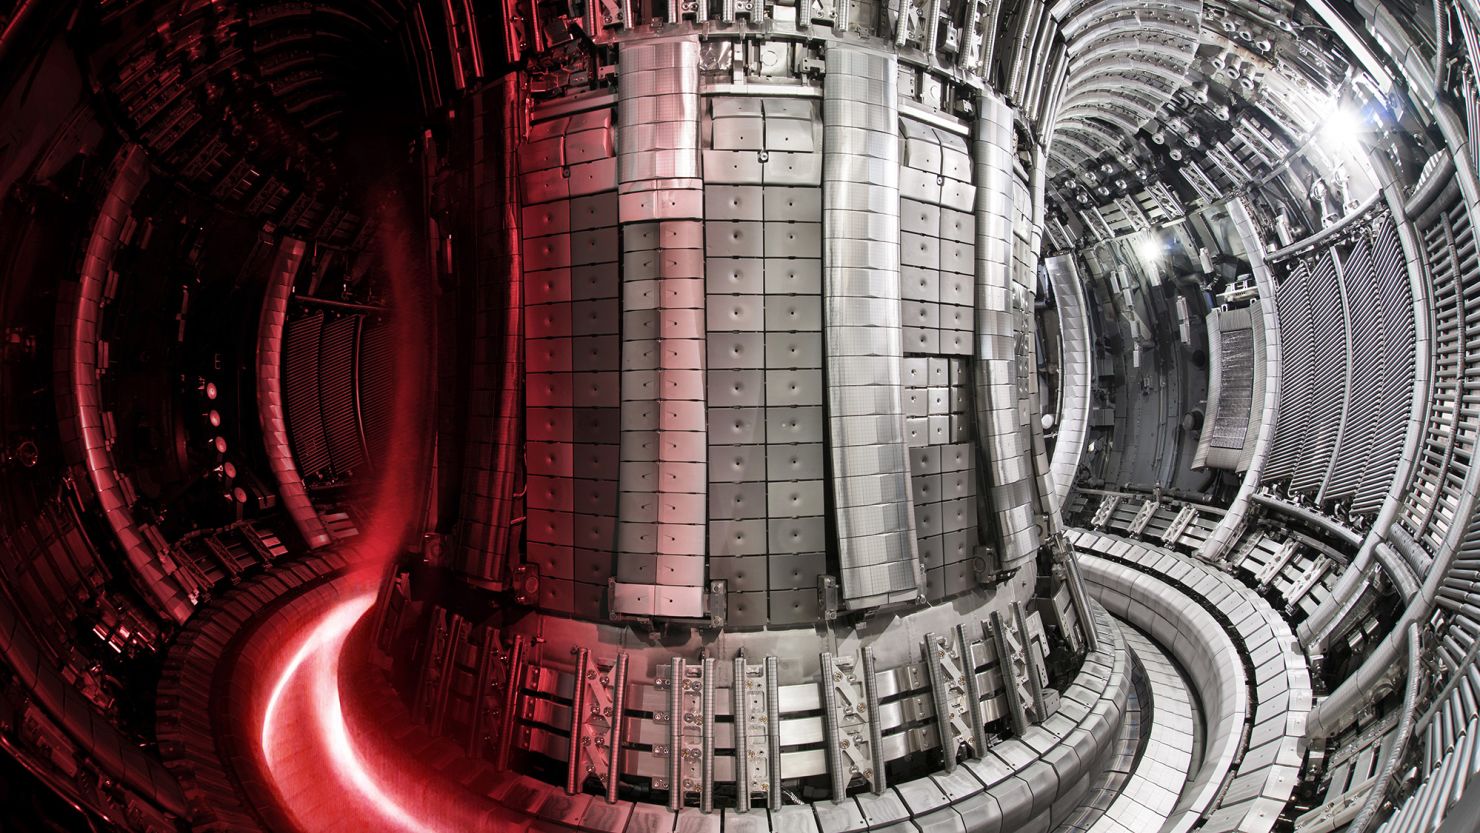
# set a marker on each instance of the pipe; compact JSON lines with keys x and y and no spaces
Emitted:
{"x":345,"y":305}
{"x":1337,"y":710}
{"x":1397,"y":568}
{"x":270,"y":408}
{"x":1441,"y":21}
{"x":1325,"y":235}
{"x":1310,"y":516}
{"x":1368,"y":814}
{"x":1050,"y":504}
{"x":21,"y":16}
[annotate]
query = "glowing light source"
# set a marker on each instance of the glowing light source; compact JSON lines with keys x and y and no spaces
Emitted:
{"x":1150,"y":249}
{"x":314,"y":669}
{"x":1342,"y":129}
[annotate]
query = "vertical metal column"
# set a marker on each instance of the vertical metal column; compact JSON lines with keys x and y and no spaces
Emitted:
{"x":571,"y":390}
{"x":877,"y":550}
{"x":492,"y":478}
{"x":661,"y":532}
{"x":1004,"y":440}
{"x":763,"y":270}
{"x":615,"y":735}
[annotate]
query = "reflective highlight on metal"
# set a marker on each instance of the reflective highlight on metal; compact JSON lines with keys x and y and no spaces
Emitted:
{"x":878,"y":555}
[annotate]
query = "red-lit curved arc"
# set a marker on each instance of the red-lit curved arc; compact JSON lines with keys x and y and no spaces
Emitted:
{"x":324,"y":779}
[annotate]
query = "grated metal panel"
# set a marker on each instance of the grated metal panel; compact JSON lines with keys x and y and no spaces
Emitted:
{"x":301,"y":394}
{"x":337,"y":399}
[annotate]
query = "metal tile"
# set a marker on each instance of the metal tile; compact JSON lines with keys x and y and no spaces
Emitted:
{"x":740,"y":276}
{"x":747,"y":610}
{"x":737,"y":501}
{"x":793,"y":387}
{"x":794,"y":607}
{"x":734,"y":202}
{"x":739,"y":133}
{"x":794,"y":535}
{"x":794,"y":135}
{"x":794,"y":462}
{"x":736,"y":388}
{"x":790,"y":204}
{"x":736,"y":351}
{"x":737,"y":464}
{"x":792,"y":350}
{"x":793,"y":313}
{"x":799,"y":276}
{"x":795,"y":571}
{"x":742,"y":575}
{"x":788,"y":240}
{"x":737,"y":426}
{"x":735,"y":313}
{"x":796,"y":498}
{"x":794,"y":424}
{"x":725,"y":238}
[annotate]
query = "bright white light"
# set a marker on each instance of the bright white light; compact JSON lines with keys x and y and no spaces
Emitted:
{"x":1150,"y":249}
{"x":318,"y":658}
{"x":1341,"y":129}
{"x":345,"y":757}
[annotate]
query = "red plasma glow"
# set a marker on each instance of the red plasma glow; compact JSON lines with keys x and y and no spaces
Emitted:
{"x":329,"y":776}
